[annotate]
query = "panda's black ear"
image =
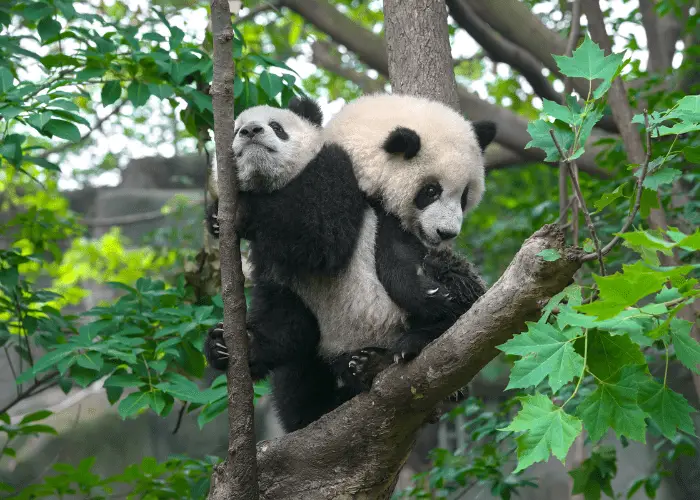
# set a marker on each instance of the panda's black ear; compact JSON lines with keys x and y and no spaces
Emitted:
{"x":485,"y":132}
{"x":403,"y":140}
{"x":307,"y":108}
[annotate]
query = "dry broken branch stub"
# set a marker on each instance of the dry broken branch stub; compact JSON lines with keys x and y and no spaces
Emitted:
{"x":357,"y":450}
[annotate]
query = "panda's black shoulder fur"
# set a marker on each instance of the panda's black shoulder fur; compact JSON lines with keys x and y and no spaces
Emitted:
{"x":306,"y":108}
{"x":312,"y":224}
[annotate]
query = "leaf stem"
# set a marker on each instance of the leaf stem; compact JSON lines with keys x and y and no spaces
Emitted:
{"x":666,"y":368}
{"x":637,"y":201}
{"x":581,"y":202}
{"x":583,"y":370}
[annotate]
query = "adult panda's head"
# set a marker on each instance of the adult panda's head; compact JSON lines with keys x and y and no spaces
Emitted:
{"x":273,"y":145}
{"x":422,"y":159}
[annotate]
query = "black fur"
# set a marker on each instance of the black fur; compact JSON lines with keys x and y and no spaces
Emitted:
{"x":306,"y":108}
{"x":485,"y":133}
{"x":403,"y":140}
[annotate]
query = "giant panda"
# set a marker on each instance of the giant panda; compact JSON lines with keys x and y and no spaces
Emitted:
{"x":345,"y":270}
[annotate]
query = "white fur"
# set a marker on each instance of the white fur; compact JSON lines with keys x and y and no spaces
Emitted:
{"x":449,"y":153}
{"x":353,"y":310}
{"x":269,"y":157}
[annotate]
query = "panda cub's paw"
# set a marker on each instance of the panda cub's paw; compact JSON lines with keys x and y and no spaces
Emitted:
{"x":364,"y":365}
{"x":212,"y":219}
{"x":215,"y":349}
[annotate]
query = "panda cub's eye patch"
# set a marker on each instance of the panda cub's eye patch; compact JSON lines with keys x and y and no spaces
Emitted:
{"x":279,"y":130}
{"x":465,"y":195}
{"x":427,"y":195}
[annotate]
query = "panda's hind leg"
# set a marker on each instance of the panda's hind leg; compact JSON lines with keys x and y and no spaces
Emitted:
{"x":305,"y":390}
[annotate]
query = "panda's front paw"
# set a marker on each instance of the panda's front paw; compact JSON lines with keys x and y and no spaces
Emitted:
{"x":408,"y":347}
{"x":359,"y":368}
{"x":215,"y":349}
{"x":215,"y":225}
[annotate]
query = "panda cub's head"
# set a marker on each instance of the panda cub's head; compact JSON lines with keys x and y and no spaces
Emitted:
{"x":422,"y":159}
{"x":272,"y":145}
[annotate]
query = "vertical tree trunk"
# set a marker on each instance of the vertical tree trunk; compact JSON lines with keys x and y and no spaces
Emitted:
{"x":418,"y":46}
{"x":237,"y":477}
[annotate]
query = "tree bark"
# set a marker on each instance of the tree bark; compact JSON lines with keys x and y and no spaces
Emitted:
{"x":357,"y":450}
{"x":417,"y":40}
{"x":236,"y":477}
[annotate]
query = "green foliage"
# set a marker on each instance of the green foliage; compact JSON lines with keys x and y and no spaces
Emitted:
{"x":595,"y":474}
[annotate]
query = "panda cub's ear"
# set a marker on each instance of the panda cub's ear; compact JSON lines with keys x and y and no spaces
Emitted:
{"x":485,"y":132}
{"x":307,"y":108}
{"x":403,"y":140}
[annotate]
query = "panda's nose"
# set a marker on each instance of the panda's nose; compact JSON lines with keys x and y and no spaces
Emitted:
{"x":251,"y":130}
{"x":446,"y":235}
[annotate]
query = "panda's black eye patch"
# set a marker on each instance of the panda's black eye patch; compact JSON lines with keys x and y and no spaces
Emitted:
{"x":465,"y":195}
{"x":427,"y":195}
{"x":279,"y":130}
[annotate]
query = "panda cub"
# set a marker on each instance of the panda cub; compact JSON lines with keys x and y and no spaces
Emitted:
{"x":339,"y":268}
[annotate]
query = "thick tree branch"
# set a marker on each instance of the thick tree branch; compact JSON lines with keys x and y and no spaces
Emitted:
{"x":662,"y":34}
{"x":236,"y":477}
{"x":371,"y":49}
{"x":359,"y":448}
{"x":503,"y":50}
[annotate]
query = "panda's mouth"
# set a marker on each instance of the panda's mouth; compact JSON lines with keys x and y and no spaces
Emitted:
{"x":430,"y":242}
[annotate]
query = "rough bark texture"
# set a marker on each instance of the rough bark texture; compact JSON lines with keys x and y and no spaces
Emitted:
{"x":236,"y":477}
{"x":371,"y":49}
{"x":357,"y":450}
{"x":417,"y":39}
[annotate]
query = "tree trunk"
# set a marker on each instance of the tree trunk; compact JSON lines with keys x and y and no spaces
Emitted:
{"x":237,"y":476}
{"x":417,"y":39}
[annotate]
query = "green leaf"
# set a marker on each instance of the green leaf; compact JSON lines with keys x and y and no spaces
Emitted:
{"x":590,"y":62}
{"x":39,"y":120}
{"x":692,"y":154}
{"x":43,"y":163}
{"x":36,"y":416}
{"x":138,"y":93}
{"x":648,"y":240}
{"x":91,"y":360}
{"x":550,"y":254}
{"x":176,"y":36}
{"x":595,"y":474}
{"x":650,"y":200}
{"x":692,"y":242}
{"x":607,"y":354}
{"x":608,"y":198}
{"x":111,"y":91}
{"x":547,"y":430}
{"x":161,"y":90}
{"x":134,"y":403}
{"x":65,"y":104}
{"x":48,"y":28}
{"x":687,"y":348}
{"x":614,"y":404}
{"x":157,"y":402}
{"x":63,"y":129}
{"x":539,"y":131}
{"x":661,"y":178}
{"x":621,"y":290}
{"x":547,"y":352}
{"x":668,"y":409}
{"x":124,"y":380}
{"x":271,"y":84}
{"x":7,"y":80}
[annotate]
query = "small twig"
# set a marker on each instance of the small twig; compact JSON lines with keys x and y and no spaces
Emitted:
{"x":179,"y":418}
{"x":31,"y":391}
{"x":582,"y":203}
{"x":637,"y":201}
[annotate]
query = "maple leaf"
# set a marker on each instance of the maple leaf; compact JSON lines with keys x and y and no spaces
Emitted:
{"x":614,"y":404}
{"x":607,"y":353}
{"x":687,"y":348}
{"x":590,"y":62}
{"x":595,"y":474}
{"x":547,"y":352}
{"x":668,"y":409}
{"x":547,"y":430}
